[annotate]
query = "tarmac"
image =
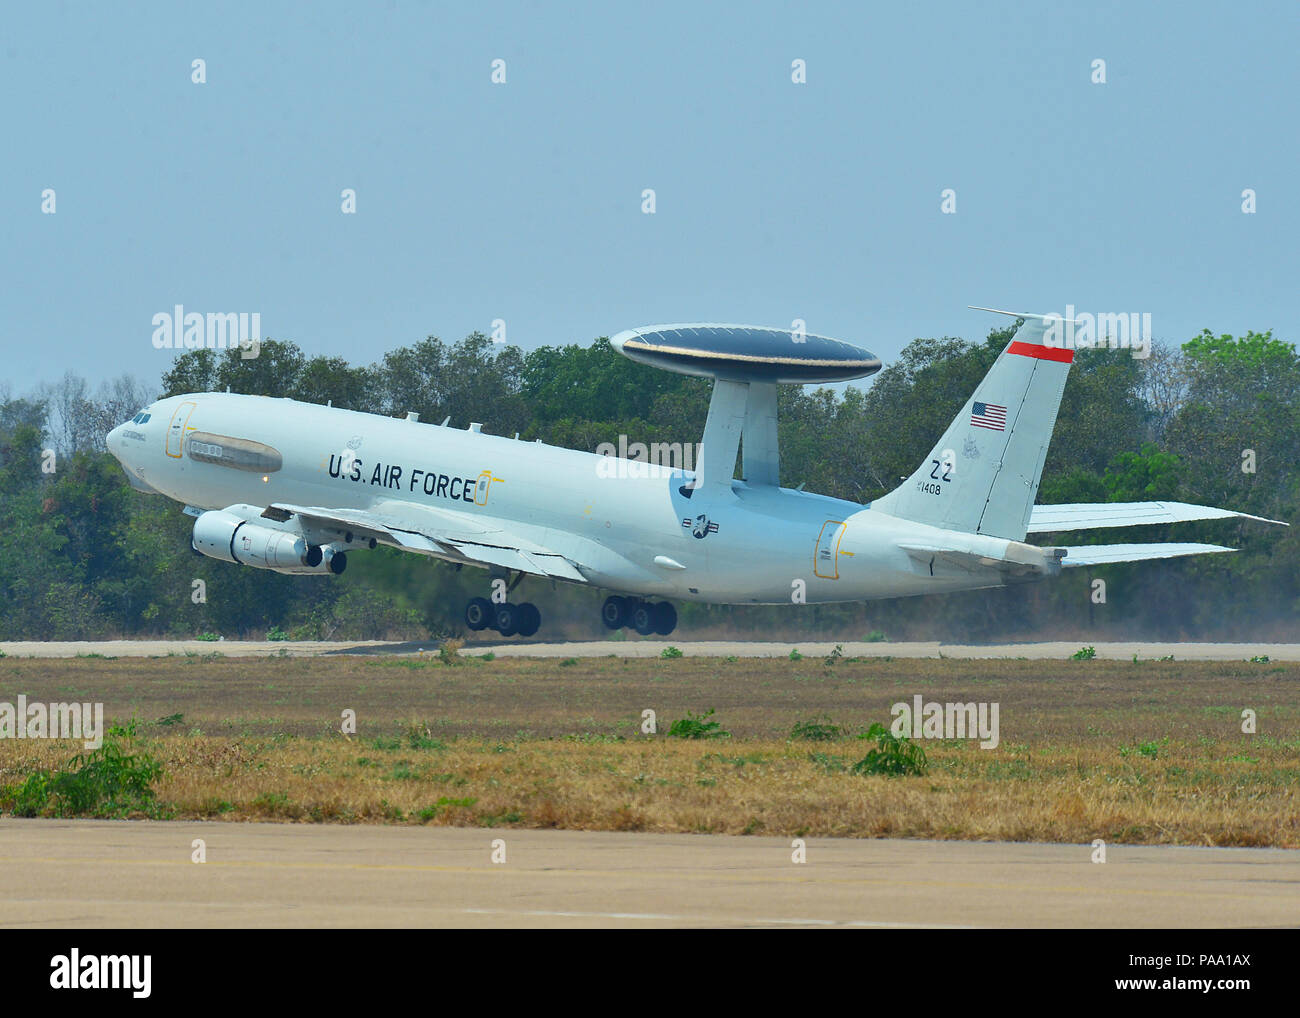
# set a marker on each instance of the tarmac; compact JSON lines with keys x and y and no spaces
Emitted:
{"x":86,"y":874}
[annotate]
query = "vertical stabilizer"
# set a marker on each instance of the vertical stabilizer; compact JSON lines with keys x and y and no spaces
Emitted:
{"x":982,"y":476}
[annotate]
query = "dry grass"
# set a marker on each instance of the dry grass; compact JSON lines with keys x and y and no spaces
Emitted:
{"x":1145,"y":753}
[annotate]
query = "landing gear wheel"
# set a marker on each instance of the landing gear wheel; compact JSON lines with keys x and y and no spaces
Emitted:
{"x":614,"y":612}
{"x":643,"y":618}
{"x":529,"y":619}
{"x":479,"y":614}
{"x":665,"y":618}
{"x":507,"y":619}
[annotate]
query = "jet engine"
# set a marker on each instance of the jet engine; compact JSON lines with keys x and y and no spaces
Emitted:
{"x":231,"y":538}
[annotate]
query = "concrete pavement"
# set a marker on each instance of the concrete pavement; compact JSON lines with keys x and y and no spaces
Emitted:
{"x":136,"y":874}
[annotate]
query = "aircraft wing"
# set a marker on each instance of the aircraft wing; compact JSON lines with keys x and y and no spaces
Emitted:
{"x":439,"y":532}
{"x":1044,"y":519}
{"x":1107,"y":554}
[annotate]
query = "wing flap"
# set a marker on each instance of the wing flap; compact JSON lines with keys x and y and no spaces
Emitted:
{"x":558,"y":566}
{"x":415,"y":542}
{"x":529,"y":561}
{"x":1045,"y":519}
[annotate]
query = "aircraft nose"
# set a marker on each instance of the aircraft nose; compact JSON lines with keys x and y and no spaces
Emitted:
{"x":113,"y":441}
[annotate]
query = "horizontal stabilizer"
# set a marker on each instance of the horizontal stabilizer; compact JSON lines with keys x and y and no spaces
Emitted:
{"x":1106,"y":554}
{"x":1044,"y":519}
{"x":1028,"y":316}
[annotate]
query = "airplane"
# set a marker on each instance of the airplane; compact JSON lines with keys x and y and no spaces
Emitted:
{"x":296,"y":487}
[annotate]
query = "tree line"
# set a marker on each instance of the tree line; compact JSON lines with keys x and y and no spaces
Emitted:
{"x":1215,"y":420}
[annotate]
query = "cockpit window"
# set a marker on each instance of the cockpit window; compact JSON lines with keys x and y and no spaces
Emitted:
{"x":141,"y":418}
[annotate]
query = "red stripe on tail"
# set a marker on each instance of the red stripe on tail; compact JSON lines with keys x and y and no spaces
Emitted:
{"x":1043,"y":353}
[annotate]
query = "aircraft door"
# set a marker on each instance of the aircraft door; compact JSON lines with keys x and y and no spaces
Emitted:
{"x":176,"y":430}
{"x":826,"y":557}
{"x":483,"y":486}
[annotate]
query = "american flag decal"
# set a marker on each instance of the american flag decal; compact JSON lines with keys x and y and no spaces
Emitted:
{"x":989,"y":415}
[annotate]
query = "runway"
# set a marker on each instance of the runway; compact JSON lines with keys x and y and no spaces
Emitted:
{"x":637,"y":648}
{"x":138,"y":874}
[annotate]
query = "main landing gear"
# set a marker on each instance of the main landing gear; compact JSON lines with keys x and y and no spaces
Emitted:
{"x":507,"y":619}
{"x":647,"y":618}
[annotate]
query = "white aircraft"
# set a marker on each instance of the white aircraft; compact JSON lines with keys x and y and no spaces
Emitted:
{"x":294,"y":487}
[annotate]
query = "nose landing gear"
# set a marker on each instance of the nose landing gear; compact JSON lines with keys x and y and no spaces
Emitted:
{"x":647,"y":618}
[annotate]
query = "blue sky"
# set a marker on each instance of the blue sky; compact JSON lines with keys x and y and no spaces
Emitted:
{"x":522,"y":201}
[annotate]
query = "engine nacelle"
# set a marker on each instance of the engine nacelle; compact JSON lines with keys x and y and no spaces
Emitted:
{"x":223,"y":535}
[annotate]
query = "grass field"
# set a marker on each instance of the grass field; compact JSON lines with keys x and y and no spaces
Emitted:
{"x":1147,"y":752}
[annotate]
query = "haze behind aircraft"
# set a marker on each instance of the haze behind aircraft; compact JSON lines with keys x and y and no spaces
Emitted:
{"x":294,"y":487}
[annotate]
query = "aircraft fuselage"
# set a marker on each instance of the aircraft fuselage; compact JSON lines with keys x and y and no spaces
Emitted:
{"x":630,"y":524}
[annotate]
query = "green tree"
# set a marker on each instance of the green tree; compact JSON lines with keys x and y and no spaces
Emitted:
{"x":1239,"y":429}
{"x":332,"y":380}
{"x":275,"y":370}
{"x":592,"y":383}
{"x":1143,"y":476}
{"x":193,"y":371}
